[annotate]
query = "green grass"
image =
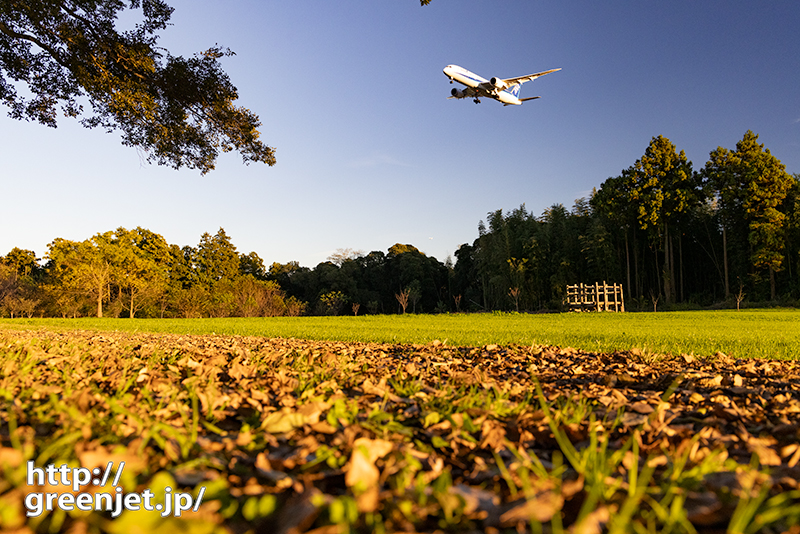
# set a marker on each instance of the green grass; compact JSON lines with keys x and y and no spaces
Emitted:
{"x":772,"y":333}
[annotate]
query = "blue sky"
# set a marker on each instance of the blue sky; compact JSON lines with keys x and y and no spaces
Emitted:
{"x":370,"y":151}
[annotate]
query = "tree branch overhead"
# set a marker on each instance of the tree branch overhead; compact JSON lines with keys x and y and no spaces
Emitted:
{"x":179,"y":111}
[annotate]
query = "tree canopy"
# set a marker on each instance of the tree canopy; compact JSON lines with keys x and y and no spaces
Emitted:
{"x":179,"y":111}
{"x":751,"y":186}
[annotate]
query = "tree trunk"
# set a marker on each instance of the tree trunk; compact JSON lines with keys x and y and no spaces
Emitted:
{"x":670,"y":281}
{"x":628,"y":263}
{"x":659,"y":272}
{"x":673,"y":280}
{"x":667,"y":268}
{"x":636,"y":266}
{"x":680,"y":259}
{"x":725,"y":261}
{"x":100,"y":288}
{"x":772,"y":290}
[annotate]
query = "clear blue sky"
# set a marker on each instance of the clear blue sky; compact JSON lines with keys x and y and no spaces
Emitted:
{"x":370,"y":152}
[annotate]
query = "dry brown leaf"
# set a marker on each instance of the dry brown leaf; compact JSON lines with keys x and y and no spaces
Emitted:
{"x":476,"y":499}
{"x":631,"y":419}
{"x":705,"y":509}
{"x":297,"y":514}
{"x":766,"y":454}
{"x":374,"y":448}
{"x":795,"y":457}
{"x":282,"y":421}
{"x":312,"y":410}
{"x":542,"y":507}
{"x":10,"y":458}
{"x":594,"y":522}
{"x":101,"y":456}
{"x":361,"y":473}
{"x":642,"y":408}
{"x":493,"y":435}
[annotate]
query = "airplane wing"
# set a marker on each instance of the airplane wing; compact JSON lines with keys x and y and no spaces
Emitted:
{"x":528,"y":78}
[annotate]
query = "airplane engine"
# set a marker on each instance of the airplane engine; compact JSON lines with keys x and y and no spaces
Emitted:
{"x":458,"y":94}
{"x":498,"y":83}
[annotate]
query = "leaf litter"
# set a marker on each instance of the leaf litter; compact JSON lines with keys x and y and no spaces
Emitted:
{"x":293,"y":436}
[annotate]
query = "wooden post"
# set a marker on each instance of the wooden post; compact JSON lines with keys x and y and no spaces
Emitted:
{"x":596,"y":303}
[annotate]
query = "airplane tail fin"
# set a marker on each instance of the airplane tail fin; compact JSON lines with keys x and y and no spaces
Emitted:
{"x":514,"y":89}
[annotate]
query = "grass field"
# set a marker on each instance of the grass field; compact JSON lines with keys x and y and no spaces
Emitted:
{"x":270,"y":434}
{"x":773,"y":333}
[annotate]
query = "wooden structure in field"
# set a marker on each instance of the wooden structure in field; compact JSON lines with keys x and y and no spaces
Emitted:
{"x":595,"y":297}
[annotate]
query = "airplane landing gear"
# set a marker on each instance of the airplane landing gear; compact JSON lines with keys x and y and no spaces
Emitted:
{"x":477,"y":101}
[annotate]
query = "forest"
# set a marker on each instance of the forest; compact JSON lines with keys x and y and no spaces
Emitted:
{"x":673,"y":236}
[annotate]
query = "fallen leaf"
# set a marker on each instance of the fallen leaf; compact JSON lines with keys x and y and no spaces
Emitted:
{"x":361,"y":473}
{"x":541,"y":508}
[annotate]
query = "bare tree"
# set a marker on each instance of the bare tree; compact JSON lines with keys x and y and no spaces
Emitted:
{"x":740,"y":295}
{"x":343,"y":254}
{"x":514,"y":294}
{"x":654,"y":298}
{"x":402,"y":298}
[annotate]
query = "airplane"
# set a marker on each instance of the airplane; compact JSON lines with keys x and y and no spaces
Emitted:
{"x":503,"y":90}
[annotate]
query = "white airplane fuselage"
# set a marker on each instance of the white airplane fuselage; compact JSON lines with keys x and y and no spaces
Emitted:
{"x":503,"y":90}
{"x":473,"y":81}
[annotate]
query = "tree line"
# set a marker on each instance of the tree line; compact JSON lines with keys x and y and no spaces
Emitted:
{"x":136,"y":273}
{"x":671,"y":235}
{"x":668,"y":233}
